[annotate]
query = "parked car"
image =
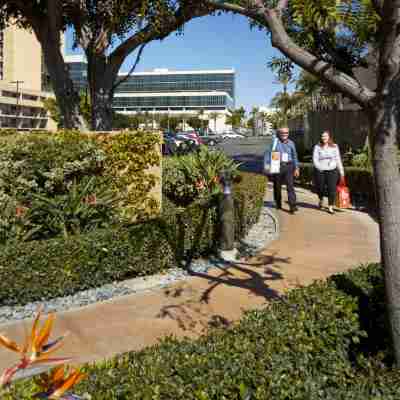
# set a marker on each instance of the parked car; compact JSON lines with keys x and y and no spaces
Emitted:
{"x":190,"y":135}
{"x":211,"y":139}
{"x":232,"y":135}
{"x":178,"y":143}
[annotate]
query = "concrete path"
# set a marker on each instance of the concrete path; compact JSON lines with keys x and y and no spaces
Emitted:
{"x":312,"y":245}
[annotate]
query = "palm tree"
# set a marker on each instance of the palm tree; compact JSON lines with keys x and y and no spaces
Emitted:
{"x":214,"y":116}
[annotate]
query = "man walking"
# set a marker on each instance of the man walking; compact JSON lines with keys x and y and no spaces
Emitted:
{"x":289,"y":168}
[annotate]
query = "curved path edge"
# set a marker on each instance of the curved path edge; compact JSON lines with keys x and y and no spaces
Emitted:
{"x":312,"y":245}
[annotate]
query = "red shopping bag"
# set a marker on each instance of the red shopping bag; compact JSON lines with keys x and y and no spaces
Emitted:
{"x":343,"y":195}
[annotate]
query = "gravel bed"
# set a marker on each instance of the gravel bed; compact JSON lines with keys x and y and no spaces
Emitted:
{"x":264,"y":231}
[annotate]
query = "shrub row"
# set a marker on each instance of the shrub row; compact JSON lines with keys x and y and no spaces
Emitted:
{"x":40,"y":270}
{"x":310,"y":345}
{"x":359,"y":180}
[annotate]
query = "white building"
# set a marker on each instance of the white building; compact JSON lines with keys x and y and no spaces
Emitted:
{"x":209,"y":93}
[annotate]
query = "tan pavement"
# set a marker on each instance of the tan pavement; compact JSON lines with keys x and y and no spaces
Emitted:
{"x":312,"y":245}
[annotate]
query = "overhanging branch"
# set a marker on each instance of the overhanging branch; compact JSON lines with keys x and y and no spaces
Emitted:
{"x":151,"y":32}
{"x":120,"y":81}
{"x":271,"y":19}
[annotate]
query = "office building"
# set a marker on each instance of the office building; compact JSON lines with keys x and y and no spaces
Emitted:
{"x":208,"y":93}
{"x":21,"y":71}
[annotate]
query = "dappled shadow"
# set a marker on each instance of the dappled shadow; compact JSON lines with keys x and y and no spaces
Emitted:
{"x":194,"y":312}
{"x":254,"y":281}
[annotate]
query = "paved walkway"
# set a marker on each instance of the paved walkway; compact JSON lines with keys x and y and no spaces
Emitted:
{"x":312,"y":245}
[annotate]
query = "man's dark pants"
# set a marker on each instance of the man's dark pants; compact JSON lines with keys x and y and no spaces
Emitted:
{"x":286,"y":176}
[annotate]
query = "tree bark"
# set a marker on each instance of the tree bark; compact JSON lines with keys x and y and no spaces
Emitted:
{"x":48,"y":33}
{"x":66,"y":96}
{"x":387,"y":188}
{"x":101,"y":79}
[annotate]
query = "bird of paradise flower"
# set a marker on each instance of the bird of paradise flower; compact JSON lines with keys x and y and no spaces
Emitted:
{"x":35,"y":360}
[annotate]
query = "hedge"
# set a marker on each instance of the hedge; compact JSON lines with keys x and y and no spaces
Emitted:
{"x":309,"y":345}
{"x":40,"y":270}
{"x":359,"y":180}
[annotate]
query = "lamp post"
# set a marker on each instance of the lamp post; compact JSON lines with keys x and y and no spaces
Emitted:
{"x":17,"y":82}
{"x":227,"y":213}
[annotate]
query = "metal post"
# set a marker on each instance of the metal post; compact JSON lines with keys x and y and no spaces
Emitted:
{"x":227,"y":212}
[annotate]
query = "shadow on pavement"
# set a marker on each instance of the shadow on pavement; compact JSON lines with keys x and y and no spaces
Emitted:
{"x":193,"y":313}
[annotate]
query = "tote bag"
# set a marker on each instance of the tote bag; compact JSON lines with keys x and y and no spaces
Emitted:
{"x":343,"y":195}
{"x":272,"y":159}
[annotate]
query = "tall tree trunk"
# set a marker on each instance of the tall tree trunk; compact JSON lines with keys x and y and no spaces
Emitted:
{"x":66,"y":96}
{"x":101,"y":79}
{"x":383,"y":140}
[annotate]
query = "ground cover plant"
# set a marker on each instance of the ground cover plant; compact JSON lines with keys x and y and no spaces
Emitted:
{"x":329,"y":340}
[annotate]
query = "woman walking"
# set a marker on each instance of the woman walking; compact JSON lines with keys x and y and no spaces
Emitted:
{"x":328,"y":164}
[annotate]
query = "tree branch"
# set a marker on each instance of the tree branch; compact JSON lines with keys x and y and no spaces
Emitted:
{"x":120,"y":81}
{"x":271,"y":19}
{"x":151,"y":32}
{"x":339,"y":80}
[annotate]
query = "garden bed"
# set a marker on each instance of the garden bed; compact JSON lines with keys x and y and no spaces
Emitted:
{"x":325,"y":341}
{"x":61,"y":266}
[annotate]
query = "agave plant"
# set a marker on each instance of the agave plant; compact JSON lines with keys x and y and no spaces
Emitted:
{"x":35,"y":359}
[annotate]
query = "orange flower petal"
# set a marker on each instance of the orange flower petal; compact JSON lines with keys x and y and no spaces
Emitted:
{"x":9,"y":344}
{"x":44,"y":334}
{"x":58,"y":373}
{"x":35,"y":325}
{"x":70,"y":381}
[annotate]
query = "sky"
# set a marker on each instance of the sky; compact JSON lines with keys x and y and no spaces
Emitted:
{"x":216,"y":42}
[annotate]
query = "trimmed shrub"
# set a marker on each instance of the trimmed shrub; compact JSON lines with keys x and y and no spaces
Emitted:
{"x":359,"y":180}
{"x":304,"y":346}
{"x":40,"y":270}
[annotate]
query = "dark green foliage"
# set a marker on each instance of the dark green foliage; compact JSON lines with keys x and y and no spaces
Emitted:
{"x":44,"y":269}
{"x":359,"y":181}
{"x":196,"y":175}
{"x":87,"y":205}
{"x":248,"y":199}
{"x":310,"y":345}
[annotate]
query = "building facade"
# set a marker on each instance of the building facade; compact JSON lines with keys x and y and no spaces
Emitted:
{"x":21,"y":95}
{"x":210,"y":93}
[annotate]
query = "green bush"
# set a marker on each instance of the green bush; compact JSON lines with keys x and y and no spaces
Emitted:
{"x":196,"y":175}
{"x":174,"y":184}
{"x":304,"y":346}
{"x":47,"y":177}
{"x":359,"y":181}
{"x":40,"y":270}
